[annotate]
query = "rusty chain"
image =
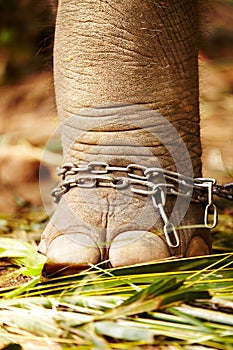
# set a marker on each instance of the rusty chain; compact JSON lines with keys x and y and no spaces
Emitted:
{"x":154,"y":182}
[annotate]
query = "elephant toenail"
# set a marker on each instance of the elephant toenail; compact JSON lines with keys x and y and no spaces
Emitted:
{"x":132,"y":247}
{"x":197,"y":246}
{"x":73,"y":249}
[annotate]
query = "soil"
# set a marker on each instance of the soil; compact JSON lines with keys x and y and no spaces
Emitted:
{"x":27,"y":121}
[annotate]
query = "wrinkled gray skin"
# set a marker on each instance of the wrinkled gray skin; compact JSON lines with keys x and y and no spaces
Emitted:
{"x":126,"y":82}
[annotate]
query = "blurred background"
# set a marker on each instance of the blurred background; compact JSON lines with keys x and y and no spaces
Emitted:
{"x":28,"y":153}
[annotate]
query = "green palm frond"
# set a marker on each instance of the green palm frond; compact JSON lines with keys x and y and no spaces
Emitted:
{"x":180,"y":303}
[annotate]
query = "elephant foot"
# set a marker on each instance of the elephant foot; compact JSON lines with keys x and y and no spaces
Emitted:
{"x":113,"y":228}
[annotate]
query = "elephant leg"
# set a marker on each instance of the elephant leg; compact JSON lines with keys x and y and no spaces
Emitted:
{"x":126,"y":83}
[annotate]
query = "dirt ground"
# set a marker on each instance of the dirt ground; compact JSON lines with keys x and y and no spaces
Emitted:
{"x":28,"y":120}
{"x":216,"y":106}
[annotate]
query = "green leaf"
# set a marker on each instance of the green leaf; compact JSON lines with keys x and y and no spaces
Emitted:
{"x":122,"y":330}
{"x":184,"y":295}
{"x":157,"y":288}
{"x":22,"y":254}
{"x":12,"y":347}
{"x":209,"y":315}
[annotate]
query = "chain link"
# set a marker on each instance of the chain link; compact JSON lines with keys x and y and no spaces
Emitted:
{"x":154,"y":182}
{"x":224,"y":191}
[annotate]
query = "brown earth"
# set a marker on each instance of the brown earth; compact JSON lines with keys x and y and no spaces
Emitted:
{"x":216,"y":105}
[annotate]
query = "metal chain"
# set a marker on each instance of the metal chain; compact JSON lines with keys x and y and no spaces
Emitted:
{"x":154,"y":182}
{"x":224,"y":191}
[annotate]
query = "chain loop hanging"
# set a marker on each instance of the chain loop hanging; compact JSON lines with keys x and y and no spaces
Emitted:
{"x":154,"y":182}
